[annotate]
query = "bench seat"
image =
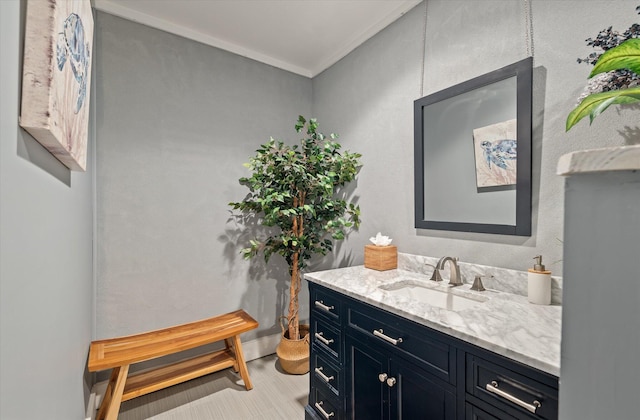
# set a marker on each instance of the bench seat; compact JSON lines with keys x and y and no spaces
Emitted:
{"x":119,"y":353}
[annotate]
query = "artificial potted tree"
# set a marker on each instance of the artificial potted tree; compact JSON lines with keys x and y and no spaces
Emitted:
{"x":298,"y":193}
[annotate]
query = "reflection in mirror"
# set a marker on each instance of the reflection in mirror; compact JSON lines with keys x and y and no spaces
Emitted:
{"x":473,"y":154}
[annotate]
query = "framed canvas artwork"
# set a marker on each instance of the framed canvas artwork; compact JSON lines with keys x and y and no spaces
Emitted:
{"x":495,"y":149}
{"x":56,"y":77}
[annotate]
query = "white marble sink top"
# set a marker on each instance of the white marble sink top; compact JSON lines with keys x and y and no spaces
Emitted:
{"x":435,"y":294}
{"x":504,"y":323}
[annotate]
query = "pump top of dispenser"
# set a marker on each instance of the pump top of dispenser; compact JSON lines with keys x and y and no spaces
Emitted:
{"x":538,"y":266}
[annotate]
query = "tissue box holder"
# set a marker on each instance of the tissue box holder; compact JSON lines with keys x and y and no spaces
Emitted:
{"x":381,"y":258}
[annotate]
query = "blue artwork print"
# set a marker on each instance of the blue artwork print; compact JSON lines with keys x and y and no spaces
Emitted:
{"x":496,"y":156}
{"x":499,"y":152}
{"x":73,"y":48}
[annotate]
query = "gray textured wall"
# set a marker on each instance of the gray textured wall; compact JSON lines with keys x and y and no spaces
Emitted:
{"x":176,"y":121}
{"x":46,"y":272}
{"x":368,"y":98}
{"x":601,"y":305}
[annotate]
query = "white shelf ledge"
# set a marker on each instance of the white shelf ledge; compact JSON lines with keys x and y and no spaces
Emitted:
{"x":623,"y":158}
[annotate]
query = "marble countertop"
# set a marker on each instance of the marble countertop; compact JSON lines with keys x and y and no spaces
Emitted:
{"x":505,"y":323}
{"x":607,"y":159}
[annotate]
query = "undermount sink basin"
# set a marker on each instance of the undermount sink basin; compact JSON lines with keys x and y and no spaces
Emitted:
{"x":436,"y":295}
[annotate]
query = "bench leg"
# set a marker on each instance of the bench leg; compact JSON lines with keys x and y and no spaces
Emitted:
{"x":229,"y":346}
{"x":244,"y":372}
{"x":112,"y":399}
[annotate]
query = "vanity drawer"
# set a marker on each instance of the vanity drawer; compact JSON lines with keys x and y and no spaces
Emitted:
{"x":326,"y":304}
{"x":326,"y":375}
{"x":325,"y":406}
{"x":507,"y":387}
{"x":437,"y":358}
{"x":327,"y":338}
{"x":474,"y":413}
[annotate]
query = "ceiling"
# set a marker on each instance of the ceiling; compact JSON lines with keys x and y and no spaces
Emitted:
{"x":301,"y":36}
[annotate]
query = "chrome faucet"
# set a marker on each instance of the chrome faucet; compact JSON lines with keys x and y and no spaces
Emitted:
{"x":454,"y":274}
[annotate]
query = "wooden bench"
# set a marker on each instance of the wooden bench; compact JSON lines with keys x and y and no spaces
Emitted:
{"x":119,"y":353}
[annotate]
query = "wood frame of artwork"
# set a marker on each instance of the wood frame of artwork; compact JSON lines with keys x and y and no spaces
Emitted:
{"x":56,"y":77}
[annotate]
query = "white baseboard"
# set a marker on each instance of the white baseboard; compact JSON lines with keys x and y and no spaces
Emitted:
{"x":260,"y":347}
{"x":90,"y":414}
{"x":252,"y":349}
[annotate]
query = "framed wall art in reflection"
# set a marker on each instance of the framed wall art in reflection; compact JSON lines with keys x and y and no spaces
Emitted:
{"x":56,"y":77}
{"x":495,"y":150}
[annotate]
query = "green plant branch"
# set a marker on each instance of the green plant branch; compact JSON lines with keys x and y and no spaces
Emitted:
{"x":593,"y":105}
{"x":624,"y":56}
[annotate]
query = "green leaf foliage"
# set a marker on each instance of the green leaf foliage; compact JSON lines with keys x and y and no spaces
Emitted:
{"x":624,"y":56}
{"x":300,"y":190}
{"x":594,"y":105}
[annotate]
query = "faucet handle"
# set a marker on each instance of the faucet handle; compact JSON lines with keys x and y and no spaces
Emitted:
{"x":477,"y":283}
{"x":435,"y":276}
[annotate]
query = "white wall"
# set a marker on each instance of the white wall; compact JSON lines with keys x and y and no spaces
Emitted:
{"x":368,"y":98}
{"x":46,"y":274}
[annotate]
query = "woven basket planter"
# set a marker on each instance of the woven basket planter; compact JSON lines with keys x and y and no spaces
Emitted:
{"x":294,"y":354}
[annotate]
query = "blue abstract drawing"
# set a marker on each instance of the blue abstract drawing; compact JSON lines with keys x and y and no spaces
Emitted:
{"x":499,"y":151}
{"x":73,"y":48}
{"x":496,"y":154}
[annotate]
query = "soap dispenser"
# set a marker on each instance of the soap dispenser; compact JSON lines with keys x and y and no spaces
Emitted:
{"x":539,"y":281}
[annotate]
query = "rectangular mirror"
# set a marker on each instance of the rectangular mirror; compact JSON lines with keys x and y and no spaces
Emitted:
{"x":472,"y":148}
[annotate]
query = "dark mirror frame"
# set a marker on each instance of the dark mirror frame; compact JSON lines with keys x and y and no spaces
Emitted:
{"x":523,"y":71}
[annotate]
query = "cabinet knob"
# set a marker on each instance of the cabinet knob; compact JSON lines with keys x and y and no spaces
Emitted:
{"x":391,"y":382}
{"x":382,"y":377}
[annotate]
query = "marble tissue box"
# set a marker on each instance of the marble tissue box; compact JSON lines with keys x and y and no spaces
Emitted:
{"x":381,"y":258}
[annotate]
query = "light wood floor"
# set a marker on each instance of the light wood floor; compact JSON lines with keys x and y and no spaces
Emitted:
{"x":222,"y":396}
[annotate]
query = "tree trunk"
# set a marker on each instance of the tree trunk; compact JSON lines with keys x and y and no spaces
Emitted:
{"x":294,"y":289}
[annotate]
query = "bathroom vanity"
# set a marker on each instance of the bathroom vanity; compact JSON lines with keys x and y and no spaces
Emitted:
{"x":377,"y":352}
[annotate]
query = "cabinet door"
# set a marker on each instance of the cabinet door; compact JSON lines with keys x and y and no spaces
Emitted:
{"x":416,"y":395}
{"x":367,"y":396}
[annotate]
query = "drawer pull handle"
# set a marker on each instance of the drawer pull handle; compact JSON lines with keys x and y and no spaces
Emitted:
{"x":391,"y":382}
{"x":323,"y":376}
{"x":324,"y":340}
{"x":382,"y":377}
{"x":380,"y":333}
{"x":320,"y":304}
{"x":321,"y":410}
{"x":493,"y":387}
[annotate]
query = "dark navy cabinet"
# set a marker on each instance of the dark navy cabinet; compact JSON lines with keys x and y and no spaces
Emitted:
{"x":382,"y":386}
{"x":369,"y":364}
